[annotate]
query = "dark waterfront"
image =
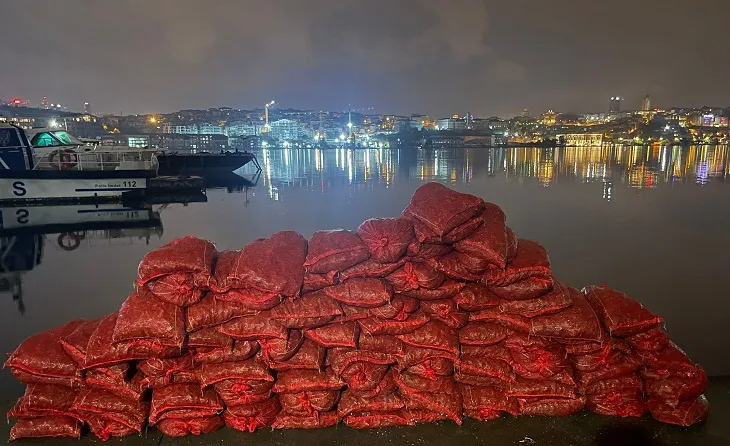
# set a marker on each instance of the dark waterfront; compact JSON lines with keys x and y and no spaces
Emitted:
{"x":652,"y":221}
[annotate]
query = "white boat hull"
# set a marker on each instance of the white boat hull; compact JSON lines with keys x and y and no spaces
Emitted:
{"x":36,"y":216}
{"x":16,"y":190}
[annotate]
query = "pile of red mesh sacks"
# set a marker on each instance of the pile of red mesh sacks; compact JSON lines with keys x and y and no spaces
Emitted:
{"x":439,"y":314}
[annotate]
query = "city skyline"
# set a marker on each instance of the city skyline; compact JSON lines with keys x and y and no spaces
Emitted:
{"x":485,"y":57}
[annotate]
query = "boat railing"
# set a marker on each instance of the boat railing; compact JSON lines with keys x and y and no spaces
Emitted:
{"x":98,"y":160}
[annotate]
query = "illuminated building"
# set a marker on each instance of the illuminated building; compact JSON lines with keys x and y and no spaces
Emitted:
{"x":44,"y":103}
{"x":87,"y":108}
{"x":286,"y":129}
{"x":614,"y":106}
{"x":453,"y":124}
{"x":549,"y":118}
{"x":244,"y":128}
{"x":582,"y":139}
{"x":646,"y":103}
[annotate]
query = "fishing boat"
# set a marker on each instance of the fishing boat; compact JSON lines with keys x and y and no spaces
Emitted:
{"x":59,"y":169}
{"x":203,"y":164}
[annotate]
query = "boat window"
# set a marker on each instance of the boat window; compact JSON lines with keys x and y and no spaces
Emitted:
{"x":67,"y":138}
{"x":45,"y":139}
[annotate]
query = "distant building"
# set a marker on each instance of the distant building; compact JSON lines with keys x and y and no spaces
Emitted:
{"x":286,"y":130}
{"x":244,"y":128}
{"x":646,"y":103}
{"x":87,"y":108}
{"x":44,"y":103}
{"x":192,"y":129}
{"x":615,"y":105}
{"x":582,"y":139}
{"x":453,"y":124}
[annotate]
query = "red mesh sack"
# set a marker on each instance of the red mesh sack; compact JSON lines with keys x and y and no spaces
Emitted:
{"x":308,"y":403}
{"x":253,"y":328}
{"x":41,"y":358}
{"x":425,"y":235}
{"x":262,"y":266}
{"x":164,"y":367}
{"x":527,"y":289}
{"x":478,"y":381}
{"x":144,"y":317}
{"x":52,"y":426}
{"x":436,"y":384}
{"x":511,"y":321}
{"x":442,"y":209}
{"x":370,"y":269}
{"x":483,"y":401}
{"x":387,"y":239}
{"x":447,"y":290}
{"x":427,"y":250}
{"x":222,"y":266}
{"x":612,"y":353}
{"x":673,"y":390}
{"x":314,"y":282}
{"x":75,"y":343}
{"x":44,"y":399}
{"x":530,"y":388}
{"x":236,"y":392}
{"x":310,"y":311}
{"x":208,"y":338}
{"x":133,"y":389}
{"x":372,"y":420}
{"x":579,"y":321}
{"x":651,"y":340}
{"x":483,"y":333}
{"x":399,"y":308}
{"x":417,"y":416}
{"x":486,"y":367}
{"x":456,"y":320}
{"x":451,"y":266}
{"x":553,"y":302}
{"x":670,"y":357}
{"x":335,"y":335}
{"x":531,"y":261}
{"x":581,"y":347}
{"x":364,"y":376}
{"x":351,"y":313}
{"x":251,"y":370}
{"x":340,"y":359}
{"x":627,"y":367}
{"x":626,"y":383}
{"x":381,"y":343}
{"x":240,"y":351}
{"x":432,"y":368}
{"x":334,"y":250}
{"x":495,"y":351}
{"x":413,"y":276}
{"x":491,"y":240}
{"x":551,"y":407}
{"x":250,"y":298}
{"x":687,"y":414}
{"x":435,"y":335}
{"x":281,"y":350}
{"x":130,"y":413}
{"x":294,"y":381}
{"x":195,"y":426}
{"x":442,"y":307}
{"x":376,"y":326}
{"x":546,"y":362}
{"x":183,"y":401}
{"x":618,"y":404}
{"x":621,"y":315}
{"x":211,"y":312}
{"x":316,"y":421}
{"x":414,"y":356}
{"x":365,"y":293}
{"x":448,"y":404}
{"x":175,"y":271}
{"x":251,"y":417}
{"x":476,"y":297}
{"x":310,"y":356}
{"x":105,"y":429}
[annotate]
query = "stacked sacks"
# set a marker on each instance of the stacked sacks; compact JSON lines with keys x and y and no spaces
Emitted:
{"x":435,"y":315}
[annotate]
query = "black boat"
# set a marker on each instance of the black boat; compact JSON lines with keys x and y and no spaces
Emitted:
{"x":203,"y":164}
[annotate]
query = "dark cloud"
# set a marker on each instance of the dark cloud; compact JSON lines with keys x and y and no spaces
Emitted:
{"x":429,"y":56}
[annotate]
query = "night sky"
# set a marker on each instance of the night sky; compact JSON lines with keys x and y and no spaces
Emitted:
{"x":397,"y":56}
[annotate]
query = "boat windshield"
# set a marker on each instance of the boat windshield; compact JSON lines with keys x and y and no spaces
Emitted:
{"x":54,"y":138}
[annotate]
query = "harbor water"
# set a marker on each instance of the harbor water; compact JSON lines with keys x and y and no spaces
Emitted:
{"x":651,"y":221}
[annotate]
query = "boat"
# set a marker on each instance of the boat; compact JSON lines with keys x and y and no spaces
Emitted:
{"x":55,"y":169}
{"x":203,"y":164}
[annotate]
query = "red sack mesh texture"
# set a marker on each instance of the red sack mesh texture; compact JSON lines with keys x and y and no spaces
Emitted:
{"x":530,"y":288}
{"x":451,"y":266}
{"x":130,"y":413}
{"x":491,"y":240}
{"x":530,"y":388}
{"x":442,"y":307}
{"x":673,"y":390}
{"x":381,"y":343}
{"x":104,"y":429}
{"x":456,"y":320}
{"x":52,"y":426}
{"x":240,"y":351}
{"x":163,"y":367}
{"x":494,"y":315}
{"x":370,"y":269}
{"x":372,"y":420}
{"x":427,"y":250}
{"x":448,"y":404}
{"x":417,"y":416}
{"x":613,"y":352}
{"x":425,"y":235}
{"x":44,"y":399}
{"x":621,"y":315}
{"x":483,"y":333}
{"x":133,"y":389}
{"x":310,"y":356}
{"x":196,"y":426}
{"x":687,"y":414}
{"x":448,"y":289}
{"x":253,"y":328}
{"x":437,"y":384}
{"x":281,"y":350}
{"x":238,"y":392}
{"x":495,"y":351}
{"x":222,"y":266}
{"x":442,"y":209}
{"x":473,"y":264}
{"x":417,"y":355}
{"x":618,"y":404}
{"x":628,"y":366}
{"x":207,"y":338}
{"x":478,"y":381}
{"x":486,"y":367}
{"x":251,"y":298}
{"x":551,"y":407}
{"x":144,"y":317}
{"x":251,"y":369}
{"x":566,"y":376}
{"x":579,"y":321}
{"x":42,"y":359}
{"x":75,"y":343}
{"x":624,"y":383}
{"x":546,"y":362}
{"x":317,"y":421}
{"x":531,"y":261}
{"x":174,"y":270}
{"x":476,"y":297}
{"x":365,"y":293}
{"x":670,"y":357}
{"x":334,"y":250}
{"x":553,"y":302}
{"x":580,"y":347}
{"x":211,"y":312}
{"x":183,"y":401}
{"x":336,"y":334}
{"x":399,"y":308}
{"x":376,"y":326}
{"x":364,"y":376}
{"x":294,"y":381}
{"x":651,"y":340}
{"x":251,"y":417}
{"x":310,"y":311}
{"x":432,"y":368}
{"x":304,"y":404}
{"x":482,"y":401}
{"x":415,"y":275}
{"x":314,"y":282}
{"x":435,"y":335}
{"x":387,"y":239}
{"x":261,"y":265}
{"x":340,"y":359}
